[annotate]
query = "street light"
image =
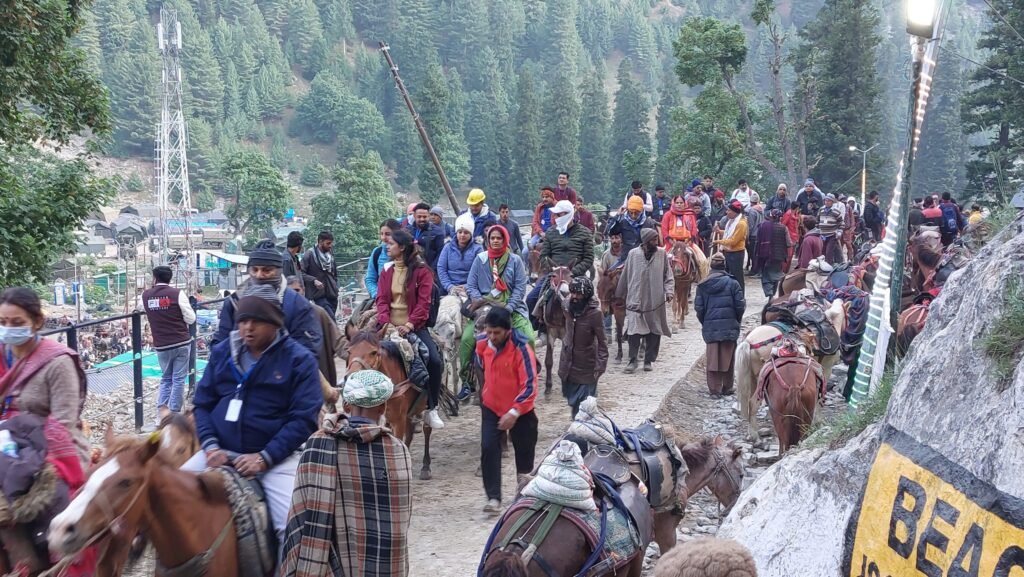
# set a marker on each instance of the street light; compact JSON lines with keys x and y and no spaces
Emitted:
{"x":863,"y":173}
{"x":921,"y":16}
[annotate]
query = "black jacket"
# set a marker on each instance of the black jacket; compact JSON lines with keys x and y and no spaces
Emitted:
{"x":719,"y":305}
{"x":431,"y":240}
{"x":873,"y":218}
{"x":311,"y":266}
{"x":776,"y":202}
{"x":630,"y":234}
{"x":575,"y":246}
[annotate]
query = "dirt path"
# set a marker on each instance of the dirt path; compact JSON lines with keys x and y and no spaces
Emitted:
{"x":449,"y":531}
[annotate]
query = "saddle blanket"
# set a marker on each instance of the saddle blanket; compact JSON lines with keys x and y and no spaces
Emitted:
{"x":621,"y":541}
{"x":772,"y":366}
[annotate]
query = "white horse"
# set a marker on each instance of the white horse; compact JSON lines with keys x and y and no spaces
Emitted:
{"x":447,"y":333}
{"x":749,"y":361}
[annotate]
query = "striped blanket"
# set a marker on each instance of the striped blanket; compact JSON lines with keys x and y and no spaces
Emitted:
{"x":352,"y":505}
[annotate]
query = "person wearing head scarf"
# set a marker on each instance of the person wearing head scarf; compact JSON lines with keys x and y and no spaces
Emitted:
{"x":569,"y":244}
{"x":680,"y":223}
{"x":772,"y":251}
{"x":264,"y":268}
{"x":259,"y":398}
{"x":719,"y":305}
{"x":369,"y":489}
{"x":830,"y":222}
{"x":734,"y":240}
{"x":456,"y":257}
{"x":648,"y":286}
{"x":584,"y":349}
{"x":630,"y":223}
{"x":498,"y":275}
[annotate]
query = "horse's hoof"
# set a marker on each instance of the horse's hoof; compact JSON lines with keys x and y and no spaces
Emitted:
{"x":425,"y":475}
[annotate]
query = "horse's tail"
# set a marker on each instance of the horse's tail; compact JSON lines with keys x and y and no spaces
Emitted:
{"x":504,"y":564}
{"x":794,"y":412}
{"x":745,"y":381}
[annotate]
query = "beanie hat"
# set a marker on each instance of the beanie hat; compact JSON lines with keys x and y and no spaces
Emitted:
{"x":465,"y":222}
{"x":259,"y":309}
{"x":647,"y":235}
{"x":707,"y":557}
{"x":635,"y":203}
{"x":830,"y":196}
{"x":717,"y":260}
{"x":367,"y":389}
{"x":695,"y":182}
{"x":265,"y":254}
{"x":438,"y":211}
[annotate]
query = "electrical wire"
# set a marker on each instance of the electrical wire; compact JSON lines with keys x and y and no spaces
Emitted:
{"x":992,"y":70}
{"x":1004,"y":20}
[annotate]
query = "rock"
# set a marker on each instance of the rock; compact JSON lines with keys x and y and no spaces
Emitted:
{"x":765,"y":432}
{"x":946,"y":405}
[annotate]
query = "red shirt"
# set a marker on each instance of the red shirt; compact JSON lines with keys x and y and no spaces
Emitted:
{"x":567,"y":193}
{"x":417,"y":299}
{"x":510,"y":377}
{"x":792,"y":222}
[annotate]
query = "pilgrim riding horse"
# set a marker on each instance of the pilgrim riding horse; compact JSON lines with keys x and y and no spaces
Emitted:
{"x":552,"y":540}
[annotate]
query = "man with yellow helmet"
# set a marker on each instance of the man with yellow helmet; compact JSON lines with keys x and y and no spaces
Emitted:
{"x":483,"y":218}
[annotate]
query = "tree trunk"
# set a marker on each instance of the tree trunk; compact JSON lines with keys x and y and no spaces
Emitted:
{"x":778,"y":102}
{"x":750,"y":142}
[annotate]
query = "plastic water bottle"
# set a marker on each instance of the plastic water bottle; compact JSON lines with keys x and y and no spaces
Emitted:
{"x":7,"y":444}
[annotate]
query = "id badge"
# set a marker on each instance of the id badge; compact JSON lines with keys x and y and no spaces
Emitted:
{"x":234,"y":409}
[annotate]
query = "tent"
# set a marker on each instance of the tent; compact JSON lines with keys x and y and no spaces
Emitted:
{"x":116,"y":372}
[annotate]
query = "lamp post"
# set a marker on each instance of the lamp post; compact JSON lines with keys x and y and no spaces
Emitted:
{"x":863,"y":173}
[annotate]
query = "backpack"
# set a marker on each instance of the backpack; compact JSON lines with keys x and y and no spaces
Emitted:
{"x":950,"y":223}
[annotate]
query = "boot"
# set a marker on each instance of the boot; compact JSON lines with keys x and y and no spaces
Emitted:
{"x":648,"y":366}
{"x":631,"y":367}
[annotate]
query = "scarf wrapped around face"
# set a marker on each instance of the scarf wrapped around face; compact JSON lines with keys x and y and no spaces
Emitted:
{"x":498,"y":258}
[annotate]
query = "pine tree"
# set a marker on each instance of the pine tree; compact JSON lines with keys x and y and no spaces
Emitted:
{"x":468,"y":31}
{"x":845,"y":34}
{"x":377,"y":19}
{"x":205,"y":95}
{"x":995,"y":104}
{"x":336,"y":16}
{"x":527,"y":154}
{"x":117,"y":22}
{"x":354,"y":210}
{"x":482,"y":141}
{"x":508,"y":26}
{"x":435,"y":105}
{"x":561,"y":129}
{"x":629,"y":123}
{"x":88,"y":39}
{"x":305,"y":32}
{"x":594,"y":23}
{"x":133,"y":78}
{"x":939,"y":164}
{"x":563,"y":46}
{"x":665,"y":171}
{"x":535,"y":42}
{"x":202,"y":160}
{"x":406,"y":149}
{"x":271,"y":92}
{"x":595,"y":141}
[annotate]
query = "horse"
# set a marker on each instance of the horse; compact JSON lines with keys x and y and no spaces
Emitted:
{"x":711,"y":462}
{"x":178,"y":440}
{"x":554,"y":318}
{"x":911,"y":323}
{"x":533,"y":261}
{"x":447,"y":334}
{"x":791,"y":386}
{"x":606,"y":286}
{"x":753,"y":351}
{"x":687,"y":272}
{"x":365,"y":352}
{"x":187,"y":517}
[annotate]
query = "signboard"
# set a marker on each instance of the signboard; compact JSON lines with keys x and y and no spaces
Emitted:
{"x":922,"y":514}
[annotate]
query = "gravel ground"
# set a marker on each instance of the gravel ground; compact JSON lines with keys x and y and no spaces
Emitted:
{"x":448,"y":528}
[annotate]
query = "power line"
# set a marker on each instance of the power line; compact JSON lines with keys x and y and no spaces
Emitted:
{"x":1004,"y":20}
{"x":992,"y":70}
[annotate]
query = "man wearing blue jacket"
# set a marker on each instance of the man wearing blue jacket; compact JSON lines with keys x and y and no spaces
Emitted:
{"x":264,"y":267}
{"x":258,"y":402}
{"x":457,"y":258}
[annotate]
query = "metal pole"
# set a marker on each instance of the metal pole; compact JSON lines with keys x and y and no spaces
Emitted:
{"x":424,"y":137}
{"x":193,"y":355}
{"x":137,"y":369}
{"x":864,"y":181}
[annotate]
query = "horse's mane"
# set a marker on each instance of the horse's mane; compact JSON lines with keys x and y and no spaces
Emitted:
{"x":697,"y":452}
{"x":503,"y":564}
{"x":368,"y":337}
{"x":928,"y":256}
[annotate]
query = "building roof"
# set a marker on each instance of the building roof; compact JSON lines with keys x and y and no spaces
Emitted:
{"x":235,"y":259}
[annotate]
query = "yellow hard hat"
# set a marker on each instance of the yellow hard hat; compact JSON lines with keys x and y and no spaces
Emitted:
{"x":476,"y":196}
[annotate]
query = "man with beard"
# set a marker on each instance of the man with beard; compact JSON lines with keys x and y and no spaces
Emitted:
{"x":483,"y":218}
{"x":734,"y":241}
{"x":320,"y":264}
{"x":647,"y":285}
{"x":264,"y":268}
{"x":584,"y":349}
{"x":630,"y":224}
{"x":427,"y":235}
{"x":810,"y":199}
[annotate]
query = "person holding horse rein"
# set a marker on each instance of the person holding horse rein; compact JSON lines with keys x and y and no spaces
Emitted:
{"x":355,"y":472}
{"x":258,"y":402}
{"x":403,"y":302}
{"x":584,"y":349}
{"x":498,"y":276}
{"x":569,"y":244}
{"x":506,"y":402}
{"x":734,"y":242}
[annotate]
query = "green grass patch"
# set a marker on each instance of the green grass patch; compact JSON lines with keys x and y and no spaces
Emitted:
{"x":1005,"y":340}
{"x":837,"y":432}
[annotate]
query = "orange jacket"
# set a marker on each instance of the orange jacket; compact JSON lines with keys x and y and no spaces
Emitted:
{"x":510,"y":376}
{"x":682,"y":226}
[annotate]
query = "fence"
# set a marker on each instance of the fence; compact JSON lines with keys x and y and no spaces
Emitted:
{"x":115,"y":353}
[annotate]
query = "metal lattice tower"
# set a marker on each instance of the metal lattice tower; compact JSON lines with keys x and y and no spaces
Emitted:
{"x":173,"y":195}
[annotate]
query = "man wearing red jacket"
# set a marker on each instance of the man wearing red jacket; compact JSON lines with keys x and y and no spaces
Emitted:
{"x":506,"y":402}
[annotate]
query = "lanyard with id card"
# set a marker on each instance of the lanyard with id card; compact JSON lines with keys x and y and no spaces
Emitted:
{"x":235,"y":405}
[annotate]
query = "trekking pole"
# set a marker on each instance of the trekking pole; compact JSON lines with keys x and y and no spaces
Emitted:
{"x":422,"y":130}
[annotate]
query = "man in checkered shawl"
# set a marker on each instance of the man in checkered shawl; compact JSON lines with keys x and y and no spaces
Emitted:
{"x":352,"y":504}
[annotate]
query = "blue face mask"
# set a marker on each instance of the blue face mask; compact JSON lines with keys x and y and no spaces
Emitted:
{"x":15,"y":336}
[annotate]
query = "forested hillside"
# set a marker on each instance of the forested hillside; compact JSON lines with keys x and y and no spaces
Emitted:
{"x":513,"y":91}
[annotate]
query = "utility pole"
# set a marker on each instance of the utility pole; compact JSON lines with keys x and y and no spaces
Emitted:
{"x":424,"y":137}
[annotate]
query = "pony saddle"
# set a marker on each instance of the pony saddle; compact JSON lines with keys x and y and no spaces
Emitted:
{"x":611,"y":462}
{"x":812,"y":318}
{"x":657,"y":463}
{"x":257,"y":543}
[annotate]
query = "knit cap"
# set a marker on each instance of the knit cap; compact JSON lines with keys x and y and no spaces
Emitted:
{"x":257,"y":308}
{"x":367,"y":389}
{"x":265,"y":254}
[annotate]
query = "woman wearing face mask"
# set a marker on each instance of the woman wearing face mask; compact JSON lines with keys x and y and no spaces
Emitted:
{"x":38,"y":376}
{"x":498,"y":275}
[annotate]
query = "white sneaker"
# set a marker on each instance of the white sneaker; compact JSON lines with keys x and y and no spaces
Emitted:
{"x":493,"y":506}
{"x":433,"y":420}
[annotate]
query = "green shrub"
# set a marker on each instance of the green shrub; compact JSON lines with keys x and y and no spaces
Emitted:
{"x":838,"y":432}
{"x":1005,"y":340}
{"x":134,"y":183}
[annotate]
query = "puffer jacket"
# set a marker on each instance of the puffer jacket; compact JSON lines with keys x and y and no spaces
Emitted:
{"x":719,"y":305}
{"x":280,"y":399}
{"x":584,"y":349}
{"x":481,"y":281}
{"x":454,"y":264}
{"x":575,"y":246}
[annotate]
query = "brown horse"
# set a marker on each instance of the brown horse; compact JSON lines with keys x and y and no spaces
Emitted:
{"x":533,"y":261}
{"x":687,"y":273}
{"x":185,"y":516}
{"x":791,"y":386}
{"x":712,"y":463}
{"x":365,"y":352}
{"x":554,"y":318}
{"x":606,"y":286}
{"x":911,"y":323}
